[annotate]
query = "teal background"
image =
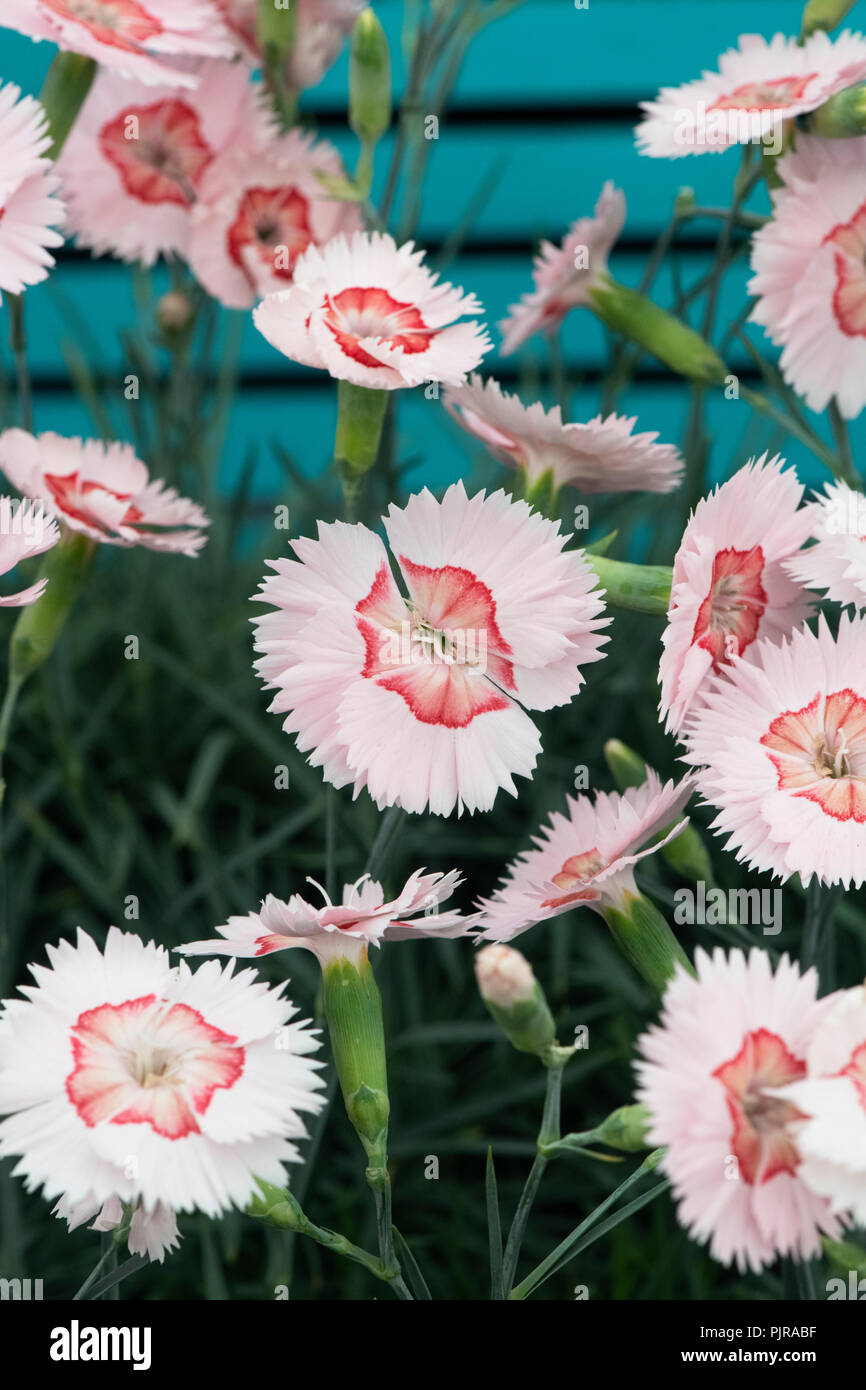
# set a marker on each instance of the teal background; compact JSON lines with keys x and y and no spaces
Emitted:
{"x":543,"y":113}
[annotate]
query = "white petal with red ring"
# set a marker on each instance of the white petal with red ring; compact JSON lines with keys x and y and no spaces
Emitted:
{"x":284,"y":318}
{"x":415,"y":763}
{"x":779,"y":745}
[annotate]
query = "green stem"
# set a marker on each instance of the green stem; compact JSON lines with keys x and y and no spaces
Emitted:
{"x":281,"y":1210}
{"x":18,"y":346}
{"x":547,"y":1135}
{"x":566,"y":1248}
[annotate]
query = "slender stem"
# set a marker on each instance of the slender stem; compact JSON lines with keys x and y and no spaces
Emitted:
{"x":566,"y":1248}
{"x":18,"y":346}
{"x":548,"y":1134}
{"x":842,"y":440}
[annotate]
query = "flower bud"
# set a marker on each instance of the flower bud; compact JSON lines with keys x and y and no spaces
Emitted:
{"x":626,"y":1128}
{"x":641,"y":588}
{"x":637,"y":318}
{"x":843,"y":115}
{"x":369,"y":79}
{"x":515,"y":998}
{"x":824,"y":14}
{"x":277,"y":1206}
{"x":174,"y":312}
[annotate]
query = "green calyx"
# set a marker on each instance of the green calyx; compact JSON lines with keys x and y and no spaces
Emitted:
{"x":645,"y":939}
{"x":353,"y":1009}
{"x":63,"y":93}
{"x":66,"y":567}
{"x":640,"y":320}
{"x":360,"y":417}
{"x":527,"y":1024}
{"x":642,"y":588}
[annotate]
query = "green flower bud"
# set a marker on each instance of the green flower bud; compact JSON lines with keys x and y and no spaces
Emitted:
{"x":642,"y":588}
{"x":369,"y":79}
{"x":824,"y":14}
{"x":843,"y":115}
{"x":515,"y":999}
{"x":626,"y":1128}
{"x":277,"y":1206}
{"x":636,"y":317}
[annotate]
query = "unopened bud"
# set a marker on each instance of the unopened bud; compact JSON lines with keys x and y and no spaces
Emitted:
{"x":643,"y":322}
{"x":369,"y":79}
{"x":174,"y":312}
{"x":626,"y":1128}
{"x":824,"y":14}
{"x":515,"y":998}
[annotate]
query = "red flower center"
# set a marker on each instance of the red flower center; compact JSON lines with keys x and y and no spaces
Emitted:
{"x":849,"y":297}
{"x":158,"y":150}
{"x":819,"y":753}
{"x":576,"y":872}
{"x":442,"y":651}
{"x":69,"y":492}
{"x":729,"y":616}
{"x":760,"y":1140}
{"x":761,"y":96}
{"x":120,"y":23}
{"x":355,"y":314}
{"x":149,"y":1062}
{"x":271,"y":230}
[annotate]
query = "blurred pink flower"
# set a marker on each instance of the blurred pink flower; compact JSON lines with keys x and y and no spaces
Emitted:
{"x":28,"y":208}
{"x":371,"y":313}
{"x":730,"y":586}
{"x":810,"y":271}
{"x":25,"y":530}
{"x":584,"y":858}
{"x":136,"y":38}
{"x":101,"y":490}
{"x":563,"y":275}
{"x":837,"y":560}
{"x":258,"y":211}
{"x":600,"y":456}
{"x":423,"y":698}
{"x":345,"y":930}
{"x":709,"y":1076}
{"x":759,"y":86}
{"x":780,"y":744}
{"x":321,"y":27}
{"x":134,"y":162}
